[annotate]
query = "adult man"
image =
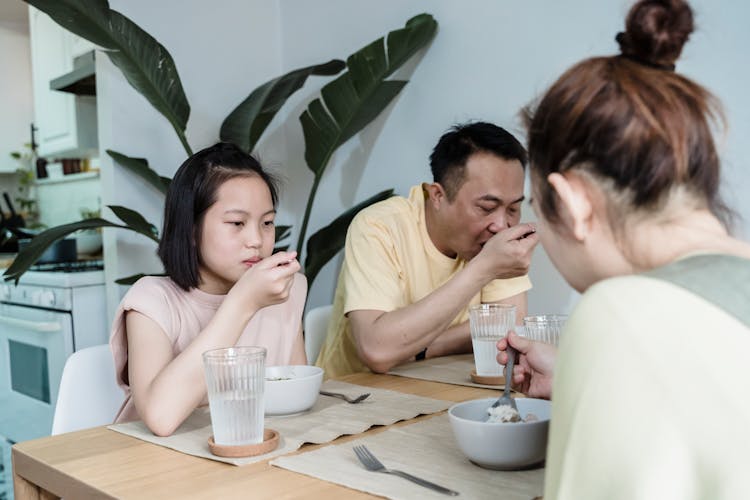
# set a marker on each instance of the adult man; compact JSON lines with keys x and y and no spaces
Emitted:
{"x":413,"y":266}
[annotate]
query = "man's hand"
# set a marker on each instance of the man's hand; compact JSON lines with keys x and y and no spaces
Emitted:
{"x":508,"y":253}
{"x":535,"y":366}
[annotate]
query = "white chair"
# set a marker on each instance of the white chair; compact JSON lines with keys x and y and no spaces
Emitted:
{"x":316,"y":327}
{"x":88,"y":395}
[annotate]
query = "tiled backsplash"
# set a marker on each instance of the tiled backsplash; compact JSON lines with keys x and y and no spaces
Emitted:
{"x":61,"y":200}
{"x":9,"y":184}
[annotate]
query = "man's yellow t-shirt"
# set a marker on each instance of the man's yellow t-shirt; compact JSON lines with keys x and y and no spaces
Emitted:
{"x":390,"y":262}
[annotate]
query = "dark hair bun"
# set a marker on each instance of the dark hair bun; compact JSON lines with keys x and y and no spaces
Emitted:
{"x":656,"y":31}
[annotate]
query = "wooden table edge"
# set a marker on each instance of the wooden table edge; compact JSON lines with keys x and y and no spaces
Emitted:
{"x":34,"y":478}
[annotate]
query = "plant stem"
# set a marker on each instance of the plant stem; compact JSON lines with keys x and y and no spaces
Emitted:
{"x":308,"y":209}
{"x":183,"y":140}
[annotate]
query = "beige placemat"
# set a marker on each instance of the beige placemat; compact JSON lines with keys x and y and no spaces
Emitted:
{"x":455,"y":369}
{"x":327,"y":420}
{"x":425,"y":449}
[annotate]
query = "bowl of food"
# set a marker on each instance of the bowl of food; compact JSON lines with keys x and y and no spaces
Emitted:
{"x":292,"y":388}
{"x":89,"y":242}
{"x":501,"y":445}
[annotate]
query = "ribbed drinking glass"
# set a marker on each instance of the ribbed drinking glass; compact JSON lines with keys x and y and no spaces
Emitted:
{"x":235,"y":379}
{"x":544,"y":328}
{"x":488,"y":324}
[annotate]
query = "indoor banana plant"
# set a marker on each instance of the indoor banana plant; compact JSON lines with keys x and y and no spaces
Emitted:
{"x":346,"y":105}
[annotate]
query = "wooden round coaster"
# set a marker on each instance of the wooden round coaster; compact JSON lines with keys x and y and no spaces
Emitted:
{"x":487,"y":379}
{"x":270,"y":442}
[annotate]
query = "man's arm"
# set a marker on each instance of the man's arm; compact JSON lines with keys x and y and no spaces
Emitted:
{"x":385,"y":339}
{"x":457,"y":339}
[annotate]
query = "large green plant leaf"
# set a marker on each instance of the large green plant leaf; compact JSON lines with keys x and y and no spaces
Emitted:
{"x":247,"y":122}
{"x":326,"y":243}
{"x":140,"y":167}
{"x":43,"y":240}
{"x":282,"y":232}
{"x":146,"y":64}
{"x":129,"y":280}
{"x":135,"y":221}
{"x":355,"y":98}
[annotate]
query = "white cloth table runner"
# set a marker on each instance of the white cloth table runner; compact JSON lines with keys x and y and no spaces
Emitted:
{"x":327,"y":420}
{"x":455,"y":369}
{"x":425,"y":449}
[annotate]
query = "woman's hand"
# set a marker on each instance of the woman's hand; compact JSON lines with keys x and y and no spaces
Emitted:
{"x":535,"y":365}
{"x":268,"y":282}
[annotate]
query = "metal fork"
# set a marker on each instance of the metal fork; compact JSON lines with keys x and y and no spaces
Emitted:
{"x":346,"y":398}
{"x":373,"y":464}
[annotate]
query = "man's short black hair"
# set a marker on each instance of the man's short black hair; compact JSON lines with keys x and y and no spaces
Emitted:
{"x":191,"y":192}
{"x":448,"y":159}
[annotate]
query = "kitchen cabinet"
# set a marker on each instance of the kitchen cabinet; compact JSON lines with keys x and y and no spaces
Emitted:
{"x":79,"y":46}
{"x":66,"y":123}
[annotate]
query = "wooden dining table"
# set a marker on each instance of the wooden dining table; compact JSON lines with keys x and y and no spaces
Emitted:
{"x":102,"y":463}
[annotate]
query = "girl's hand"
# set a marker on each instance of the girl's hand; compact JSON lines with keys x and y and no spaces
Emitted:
{"x":268,"y":282}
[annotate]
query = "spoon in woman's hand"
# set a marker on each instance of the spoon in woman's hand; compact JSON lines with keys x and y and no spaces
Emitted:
{"x":505,"y":399}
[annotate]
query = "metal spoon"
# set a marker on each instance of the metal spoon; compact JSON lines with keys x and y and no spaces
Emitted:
{"x":505,"y":399}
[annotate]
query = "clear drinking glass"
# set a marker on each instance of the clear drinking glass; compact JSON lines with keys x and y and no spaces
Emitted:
{"x":235,"y":379}
{"x":488,"y":324}
{"x":544,"y":328}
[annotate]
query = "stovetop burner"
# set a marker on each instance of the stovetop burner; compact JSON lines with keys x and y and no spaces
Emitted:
{"x":69,"y":267}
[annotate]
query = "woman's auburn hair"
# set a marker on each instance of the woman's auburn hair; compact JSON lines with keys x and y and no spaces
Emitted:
{"x":630,"y":121}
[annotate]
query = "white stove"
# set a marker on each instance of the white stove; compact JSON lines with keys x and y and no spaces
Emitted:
{"x":49,"y":289}
{"x":62,"y":279}
{"x":43,"y":320}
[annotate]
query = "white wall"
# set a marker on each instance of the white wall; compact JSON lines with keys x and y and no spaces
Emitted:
{"x":489,"y":58}
{"x":222,"y":50}
{"x":16,"y":108}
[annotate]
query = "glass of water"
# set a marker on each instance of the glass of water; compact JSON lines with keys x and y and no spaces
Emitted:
{"x":488,"y":324}
{"x":235,"y":380}
{"x":544,"y":328}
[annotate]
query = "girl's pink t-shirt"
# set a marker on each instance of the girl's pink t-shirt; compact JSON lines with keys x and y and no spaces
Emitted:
{"x":183,"y":315}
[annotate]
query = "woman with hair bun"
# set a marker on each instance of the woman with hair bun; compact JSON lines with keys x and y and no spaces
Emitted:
{"x":651,"y":388}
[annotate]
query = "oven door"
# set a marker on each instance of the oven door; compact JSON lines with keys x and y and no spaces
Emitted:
{"x":34,"y":344}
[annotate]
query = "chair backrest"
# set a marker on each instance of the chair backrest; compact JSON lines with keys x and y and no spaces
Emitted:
{"x":316,"y":327}
{"x":88,"y":395}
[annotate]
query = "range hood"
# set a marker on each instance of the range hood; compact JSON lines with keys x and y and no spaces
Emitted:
{"x":80,"y":81}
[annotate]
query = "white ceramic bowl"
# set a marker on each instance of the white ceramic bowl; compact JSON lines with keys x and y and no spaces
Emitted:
{"x":89,"y":242}
{"x":497,"y":445}
{"x":291,"y":389}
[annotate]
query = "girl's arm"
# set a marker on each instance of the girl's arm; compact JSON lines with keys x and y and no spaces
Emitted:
{"x":167,"y":388}
{"x":298,"y":351}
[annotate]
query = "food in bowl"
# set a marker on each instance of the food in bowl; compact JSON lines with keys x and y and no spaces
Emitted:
{"x":501,"y":445}
{"x":291,"y":389}
{"x":506,"y":413}
{"x":503,"y":413}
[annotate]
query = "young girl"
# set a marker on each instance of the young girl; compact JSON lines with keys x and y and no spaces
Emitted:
{"x":223,"y":288}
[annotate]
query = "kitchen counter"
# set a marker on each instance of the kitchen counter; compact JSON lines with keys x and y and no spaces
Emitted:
{"x":6,"y":259}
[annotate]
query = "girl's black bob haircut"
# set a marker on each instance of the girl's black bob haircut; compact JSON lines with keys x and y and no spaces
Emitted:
{"x":191,"y":192}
